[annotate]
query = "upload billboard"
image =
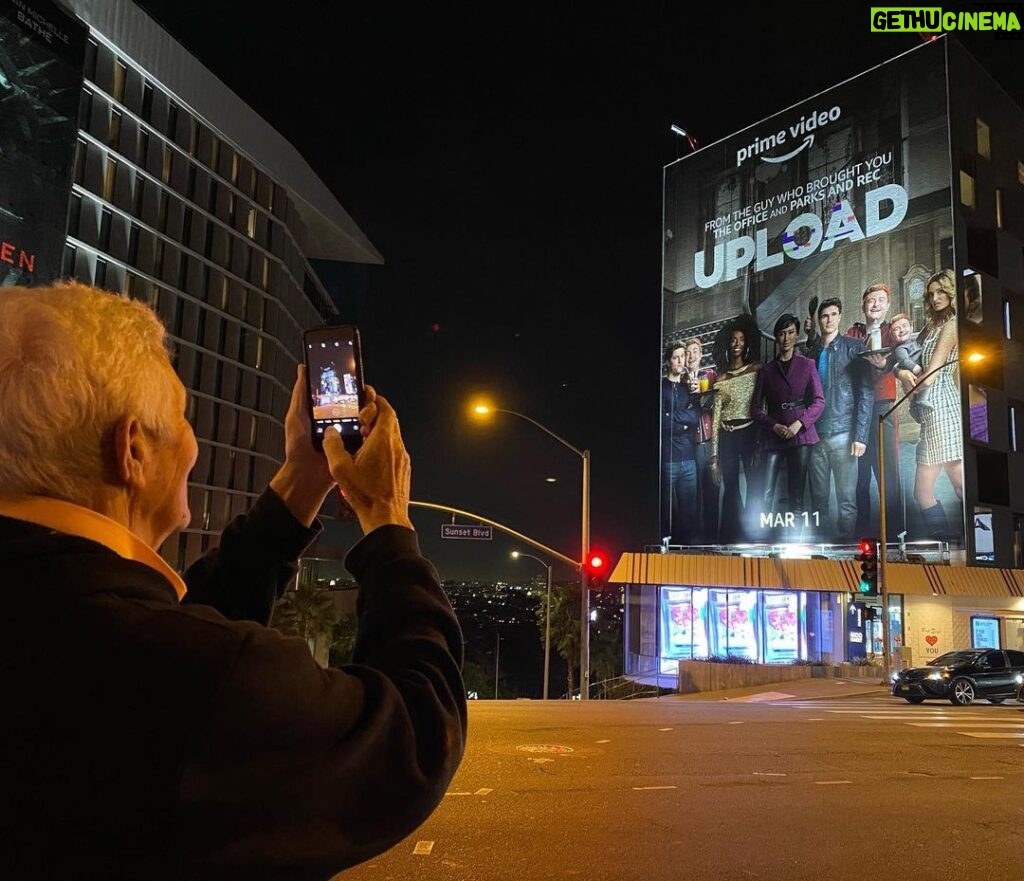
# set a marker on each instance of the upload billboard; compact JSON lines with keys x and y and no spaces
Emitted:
{"x":808,"y":285}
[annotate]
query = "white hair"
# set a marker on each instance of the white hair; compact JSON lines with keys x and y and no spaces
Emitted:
{"x":73,"y":361}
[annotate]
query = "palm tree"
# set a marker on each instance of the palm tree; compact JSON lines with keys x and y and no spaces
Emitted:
{"x":565,"y":626}
{"x":307,"y":612}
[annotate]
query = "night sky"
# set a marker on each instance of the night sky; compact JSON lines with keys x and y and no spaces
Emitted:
{"x":508,"y":165}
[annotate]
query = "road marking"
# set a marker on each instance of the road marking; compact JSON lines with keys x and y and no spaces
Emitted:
{"x":647,"y":788}
{"x":539,"y":761}
{"x":991,"y":735}
{"x":664,"y":729}
{"x":423,"y":848}
{"x":458,"y":793}
{"x":483,"y":791}
{"x":966,"y":724}
{"x":767,"y":774}
{"x":602,"y":741}
{"x":735,"y":723}
{"x":988,"y":778}
{"x":816,"y":719}
{"x":831,"y":782}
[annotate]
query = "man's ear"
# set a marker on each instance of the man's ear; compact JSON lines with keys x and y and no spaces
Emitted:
{"x":130,"y":451}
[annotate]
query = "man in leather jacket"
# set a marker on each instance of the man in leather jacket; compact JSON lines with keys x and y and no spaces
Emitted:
{"x":844,"y":423}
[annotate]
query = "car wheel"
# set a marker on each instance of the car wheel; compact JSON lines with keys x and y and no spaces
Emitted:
{"x":961,"y":692}
{"x":996,"y":700}
{"x":914,"y":700}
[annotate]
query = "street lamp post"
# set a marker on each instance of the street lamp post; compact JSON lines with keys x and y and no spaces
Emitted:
{"x":484,"y":410}
{"x":884,"y":556}
{"x":547,"y":619}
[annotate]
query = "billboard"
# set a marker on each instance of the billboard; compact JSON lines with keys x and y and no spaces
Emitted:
{"x":808,"y":283}
{"x":42,"y":51}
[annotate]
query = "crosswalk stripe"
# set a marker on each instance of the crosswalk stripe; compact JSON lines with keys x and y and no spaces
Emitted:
{"x":991,"y":735}
{"x":966,"y":724}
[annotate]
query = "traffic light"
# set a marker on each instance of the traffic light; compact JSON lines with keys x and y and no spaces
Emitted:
{"x":868,"y":567}
{"x":597,"y":567}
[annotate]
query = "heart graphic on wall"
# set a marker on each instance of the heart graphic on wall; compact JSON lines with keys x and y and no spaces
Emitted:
{"x":932,"y":640}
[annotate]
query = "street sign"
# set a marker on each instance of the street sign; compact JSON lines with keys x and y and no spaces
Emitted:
{"x":457,"y":530}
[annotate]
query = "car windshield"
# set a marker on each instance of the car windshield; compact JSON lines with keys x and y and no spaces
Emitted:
{"x":952,"y":658}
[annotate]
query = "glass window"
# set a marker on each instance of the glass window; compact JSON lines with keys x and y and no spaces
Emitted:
{"x":165,"y":170}
{"x":984,"y":145}
{"x":147,"y":101}
{"x":1018,"y":540}
{"x":120,"y":77}
{"x":972,"y":297}
{"x":1011,"y":423}
{"x":80,"y":150}
{"x":100,"y":278}
{"x":978,"y":406}
{"x":74,"y":215}
{"x":139,"y":195}
{"x":114,"y":130}
{"x":1020,"y":172}
{"x":999,"y":209}
{"x":250,"y":223}
{"x":172,"y":122}
{"x":106,"y":217}
{"x":215,"y":153}
{"x":1015,"y":658}
{"x":995,"y":660}
{"x":966,"y":189}
{"x":193,"y":136}
{"x":1007,"y":320}
{"x":234,"y":168}
{"x":984,"y":549}
{"x":109,"y":175}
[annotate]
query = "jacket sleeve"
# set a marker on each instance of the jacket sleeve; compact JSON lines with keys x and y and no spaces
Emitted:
{"x":256,"y":558}
{"x":864,"y":390}
{"x":305,"y":771}
{"x":814,"y":398}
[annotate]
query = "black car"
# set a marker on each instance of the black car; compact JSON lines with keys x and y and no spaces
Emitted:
{"x":962,"y":676}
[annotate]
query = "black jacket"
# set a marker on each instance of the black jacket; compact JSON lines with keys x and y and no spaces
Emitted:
{"x":849,"y":392}
{"x":144,"y":738}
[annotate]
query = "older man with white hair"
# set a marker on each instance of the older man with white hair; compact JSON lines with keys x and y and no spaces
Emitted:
{"x":155,"y":727}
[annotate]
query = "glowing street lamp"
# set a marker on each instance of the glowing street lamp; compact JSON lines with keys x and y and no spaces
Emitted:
{"x":484,"y":409}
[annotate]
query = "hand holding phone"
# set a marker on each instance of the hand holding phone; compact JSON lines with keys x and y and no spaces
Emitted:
{"x":334,"y":375}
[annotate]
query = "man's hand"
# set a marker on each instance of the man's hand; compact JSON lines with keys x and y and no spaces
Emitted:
{"x":375,"y":480}
{"x":877,"y":361}
{"x":857,"y":450}
{"x":303,"y":481}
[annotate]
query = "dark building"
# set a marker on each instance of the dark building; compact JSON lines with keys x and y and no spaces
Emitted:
{"x":183,"y":197}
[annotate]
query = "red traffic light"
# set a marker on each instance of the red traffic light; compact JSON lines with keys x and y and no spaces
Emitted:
{"x":868,"y":547}
{"x":597,"y":564}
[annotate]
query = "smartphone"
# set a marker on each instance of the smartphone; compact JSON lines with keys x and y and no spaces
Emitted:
{"x":334,"y":377}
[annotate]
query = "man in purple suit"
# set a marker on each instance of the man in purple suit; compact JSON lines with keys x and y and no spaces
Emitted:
{"x":787,"y":401}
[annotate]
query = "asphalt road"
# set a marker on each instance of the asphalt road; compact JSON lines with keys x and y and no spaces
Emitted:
{"x":866,"y":788}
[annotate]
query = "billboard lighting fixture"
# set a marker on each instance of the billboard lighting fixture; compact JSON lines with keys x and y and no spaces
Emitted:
{"x":691,"y":140}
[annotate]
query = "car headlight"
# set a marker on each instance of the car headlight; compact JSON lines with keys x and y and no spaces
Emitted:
{"x":1019,"y":679}
{"x":936,"y":675}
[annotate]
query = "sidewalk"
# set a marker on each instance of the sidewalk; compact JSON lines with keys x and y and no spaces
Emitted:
{"x":798,"y":689}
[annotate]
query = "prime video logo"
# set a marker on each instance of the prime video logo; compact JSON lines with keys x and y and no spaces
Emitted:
{"x":804,"y":128}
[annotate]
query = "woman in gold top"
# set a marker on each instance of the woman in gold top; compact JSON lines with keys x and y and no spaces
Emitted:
{"x":733,"y":431}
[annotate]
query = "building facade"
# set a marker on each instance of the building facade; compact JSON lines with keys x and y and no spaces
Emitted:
{"x":883,"y":221}
{"x":181,"y":196}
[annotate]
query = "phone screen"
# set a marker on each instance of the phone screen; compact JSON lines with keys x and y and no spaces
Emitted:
{"x":335,"y":375}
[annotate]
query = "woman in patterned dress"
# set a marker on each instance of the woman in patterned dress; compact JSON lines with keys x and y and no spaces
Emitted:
{"x":733,"y":430}
{"x":940,"y":447}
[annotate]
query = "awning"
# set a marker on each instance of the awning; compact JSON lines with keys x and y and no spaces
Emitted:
{"x":776,"y":573}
